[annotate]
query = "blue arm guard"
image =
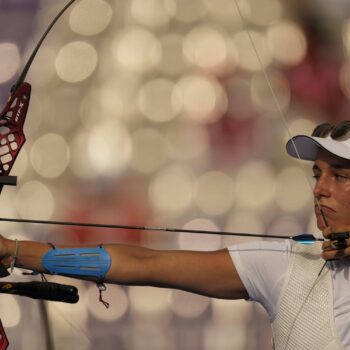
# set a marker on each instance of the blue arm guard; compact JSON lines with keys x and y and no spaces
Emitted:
{"x":88,"y":262}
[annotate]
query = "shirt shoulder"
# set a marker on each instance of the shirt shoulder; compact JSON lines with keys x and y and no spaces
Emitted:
{"x":262,"y":267}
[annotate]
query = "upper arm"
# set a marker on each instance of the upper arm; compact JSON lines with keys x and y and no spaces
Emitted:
{"x":207,"y":273}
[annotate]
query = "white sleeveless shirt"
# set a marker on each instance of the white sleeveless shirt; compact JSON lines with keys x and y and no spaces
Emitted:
{"x":263,"y":268}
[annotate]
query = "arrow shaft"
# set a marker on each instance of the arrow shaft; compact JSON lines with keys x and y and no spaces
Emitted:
{"x":143,"y":228}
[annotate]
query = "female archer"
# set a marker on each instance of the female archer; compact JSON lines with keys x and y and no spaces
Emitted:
{"x":306,"y":299}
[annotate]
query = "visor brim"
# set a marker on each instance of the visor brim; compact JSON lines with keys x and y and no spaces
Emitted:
{"x":308,"y":147}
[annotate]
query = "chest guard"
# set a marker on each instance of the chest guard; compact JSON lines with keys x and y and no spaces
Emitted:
{"x":304,"y":318}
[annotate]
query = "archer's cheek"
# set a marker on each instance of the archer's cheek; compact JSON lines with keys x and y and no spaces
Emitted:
{"x":320,"y":222}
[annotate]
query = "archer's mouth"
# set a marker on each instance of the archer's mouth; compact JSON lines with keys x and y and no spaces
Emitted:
{"x":325,"y":209}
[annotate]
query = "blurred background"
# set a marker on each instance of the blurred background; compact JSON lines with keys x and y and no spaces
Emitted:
{"x":157,"y":113}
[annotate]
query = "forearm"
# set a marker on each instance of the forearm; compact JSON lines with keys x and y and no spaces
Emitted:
{"x":128,"y":263}
{"x":207,"y":273}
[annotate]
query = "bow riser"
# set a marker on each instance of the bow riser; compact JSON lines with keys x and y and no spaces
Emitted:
{"x":12,"y":119}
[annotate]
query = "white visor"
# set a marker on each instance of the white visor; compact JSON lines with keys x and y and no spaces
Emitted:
{"x":308,"y":147}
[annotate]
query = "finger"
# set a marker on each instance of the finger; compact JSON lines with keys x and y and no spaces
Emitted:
{"x":335,"y":254}
{"x":327,"y":245}
{"x":332,"y":244}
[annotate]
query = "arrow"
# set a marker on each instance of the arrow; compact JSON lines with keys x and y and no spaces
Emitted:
{"x":303,"y":238}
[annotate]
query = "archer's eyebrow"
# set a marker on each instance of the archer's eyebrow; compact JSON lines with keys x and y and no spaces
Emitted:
{"x":338,"y":166}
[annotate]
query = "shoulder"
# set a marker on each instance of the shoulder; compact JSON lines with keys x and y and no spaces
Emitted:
{"x":262,"y":267}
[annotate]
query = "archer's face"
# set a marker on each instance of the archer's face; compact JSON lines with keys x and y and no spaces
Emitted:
{"x":332,"y":190}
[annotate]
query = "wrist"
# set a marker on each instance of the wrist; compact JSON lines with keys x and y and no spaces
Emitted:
{"x":10,"y":248}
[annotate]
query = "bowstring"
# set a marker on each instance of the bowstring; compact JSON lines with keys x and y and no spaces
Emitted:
{"x":278,"y":105}
{"x":284,"y":119}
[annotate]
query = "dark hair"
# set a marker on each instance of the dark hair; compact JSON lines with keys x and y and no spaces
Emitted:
{"x":335,"y":131}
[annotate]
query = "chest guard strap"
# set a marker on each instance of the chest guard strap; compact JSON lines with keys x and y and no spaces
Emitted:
{"x":88,"y":262}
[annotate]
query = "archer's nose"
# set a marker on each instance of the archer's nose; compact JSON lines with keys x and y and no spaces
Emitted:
{"x":322,"y":187}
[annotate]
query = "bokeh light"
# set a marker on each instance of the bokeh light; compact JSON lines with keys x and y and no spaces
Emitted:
{"x":214,"y":192}
{"x":79,"y":160}
{"x":171,"y":190}
{"x":35,"y":200}
{"x":109,"y":147}
{"x":206,"y":47}
{"x":155,"y":100}
{"x":10,"y":313}
{"x":247,"y":58}
{"x":202,"y":99}
{"x":10,"y":61}
{"x":148,"y":301}
{"x":188,"y":305}
{"x":230,"y":311}
{"x":287,"y":42}
{"x":222,"y":337}
{"x":50,"y":155}
{"x":90,"y":17}
{"x":242,"y":221}
{"x":76,"y":61}
{"x":255,"y":181}
{"x":292,"y":190}
{"x":137,"y":49}
{"x":285,"y":225}
{"x":152,"y":13}
{"x":346,"y":35}
{"x":200,"y":242}
{"x":118,"y":303}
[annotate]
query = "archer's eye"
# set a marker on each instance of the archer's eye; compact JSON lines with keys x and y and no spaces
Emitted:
{"x":341,"y":177}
